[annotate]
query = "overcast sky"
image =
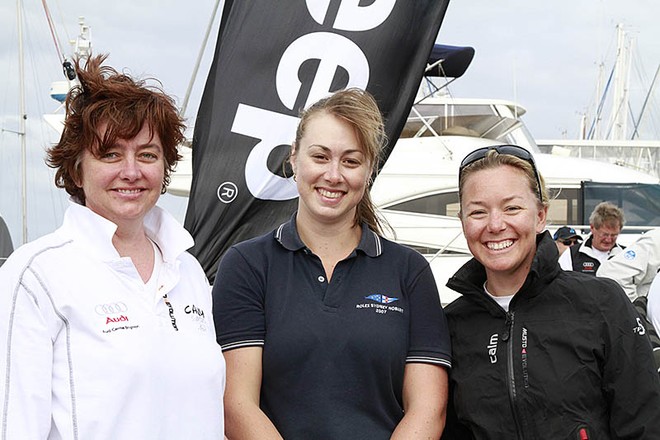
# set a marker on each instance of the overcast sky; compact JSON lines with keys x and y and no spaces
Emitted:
{"x":543,"y":55}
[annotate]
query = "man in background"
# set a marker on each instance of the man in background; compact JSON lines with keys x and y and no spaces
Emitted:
{"x":606,"y":222}
{"x":565,"y":237}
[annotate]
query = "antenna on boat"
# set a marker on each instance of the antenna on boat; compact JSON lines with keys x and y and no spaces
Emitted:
{"x":82,"y":49}
{"x":68,"y":69}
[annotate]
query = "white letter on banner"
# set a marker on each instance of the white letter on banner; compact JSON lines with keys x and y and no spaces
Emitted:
{"x":333,"y":50}
{"x":351,"y":16}
{"x":273,"y":129}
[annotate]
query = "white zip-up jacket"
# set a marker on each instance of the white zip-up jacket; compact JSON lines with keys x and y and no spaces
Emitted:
{"x":89,"y":351}
{"x":635,"y":268}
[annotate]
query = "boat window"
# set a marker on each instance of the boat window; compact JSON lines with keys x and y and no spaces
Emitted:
{"x":436,"y":204}
{"x":564,"y":207}
{"x":640,"y":202}
{"x":520,"y":135}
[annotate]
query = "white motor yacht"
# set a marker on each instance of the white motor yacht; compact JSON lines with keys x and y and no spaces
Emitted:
{"x":417,"y":189}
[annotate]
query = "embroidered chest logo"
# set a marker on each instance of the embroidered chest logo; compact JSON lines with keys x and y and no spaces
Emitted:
{"x":640,"y":330}
{"x":523,"y":351}
{"x":194,"y":310}
{"x":588,"y":266}
{"x":383,"y":299}
{"x":629,"y":255}
{"x":197,"y":315}
{"x":381,"y":304}
{"x":111,"y":319}
{"x":115,"y":317}
{"x":492,"y":348}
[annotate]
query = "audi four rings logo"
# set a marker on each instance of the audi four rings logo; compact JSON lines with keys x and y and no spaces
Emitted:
{"x":110,"y":308}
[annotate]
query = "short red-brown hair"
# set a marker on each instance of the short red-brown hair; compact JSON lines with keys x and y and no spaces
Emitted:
{"x":125,"y":105}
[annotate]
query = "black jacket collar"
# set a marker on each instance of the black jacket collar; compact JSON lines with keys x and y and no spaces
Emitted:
{"x":470,"y":278}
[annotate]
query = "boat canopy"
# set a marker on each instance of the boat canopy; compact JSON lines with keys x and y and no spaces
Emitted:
{"x":449,"y":61}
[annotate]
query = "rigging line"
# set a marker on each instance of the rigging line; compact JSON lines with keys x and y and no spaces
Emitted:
{"x":599,"y":111}
{"x":53,"y":32}
{"x":62,"y":21}
{"x":646,"y":101}
{"x":615,"y":111}
{"x":199,"y":58}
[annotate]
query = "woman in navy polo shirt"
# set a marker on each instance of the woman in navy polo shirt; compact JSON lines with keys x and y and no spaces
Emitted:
{"x":330,"y":331}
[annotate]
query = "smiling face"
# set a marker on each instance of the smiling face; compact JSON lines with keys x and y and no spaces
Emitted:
{"x":500,"y":222}
{"x":331,"y":171}
{"x":125,"y":182}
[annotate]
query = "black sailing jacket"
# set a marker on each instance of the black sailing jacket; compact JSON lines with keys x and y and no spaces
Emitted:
{"x":570,"y":360}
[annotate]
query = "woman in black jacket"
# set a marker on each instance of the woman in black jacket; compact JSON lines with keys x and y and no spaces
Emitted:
{"x":538,"y":353}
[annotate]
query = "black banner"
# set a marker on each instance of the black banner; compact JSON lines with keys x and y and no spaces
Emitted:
{"x":273,"y":58}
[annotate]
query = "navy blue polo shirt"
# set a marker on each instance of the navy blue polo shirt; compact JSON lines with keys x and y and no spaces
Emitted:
{"x":333,"y":353}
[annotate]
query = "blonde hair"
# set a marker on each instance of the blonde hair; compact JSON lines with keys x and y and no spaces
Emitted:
{"x":493,"y":159}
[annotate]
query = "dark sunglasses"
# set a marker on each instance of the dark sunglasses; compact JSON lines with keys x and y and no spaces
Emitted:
{"x":568,"y":242}
{"x":511,"y":150}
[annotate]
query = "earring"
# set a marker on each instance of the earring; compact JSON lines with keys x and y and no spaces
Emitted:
{"x":294,"y":178}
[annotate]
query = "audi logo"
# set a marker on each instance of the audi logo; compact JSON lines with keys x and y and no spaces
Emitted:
{"x":111,"y":308}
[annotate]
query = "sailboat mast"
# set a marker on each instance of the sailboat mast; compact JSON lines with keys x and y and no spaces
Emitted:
{"x":619,"y":114}
{"x":22,"y":118}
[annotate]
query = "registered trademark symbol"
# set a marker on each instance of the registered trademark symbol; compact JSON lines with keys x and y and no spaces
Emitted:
{"x":227,"y":192}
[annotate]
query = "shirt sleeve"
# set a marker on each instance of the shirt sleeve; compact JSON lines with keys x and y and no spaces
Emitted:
{"x":429,"y":333}
{"x":630,"y":382}
{"x":26,"y":359}
{"x":238,"y":303}
{"x":628,"y":267}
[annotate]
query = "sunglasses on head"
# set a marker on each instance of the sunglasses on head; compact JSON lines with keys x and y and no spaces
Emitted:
{"x":511,"y":150}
